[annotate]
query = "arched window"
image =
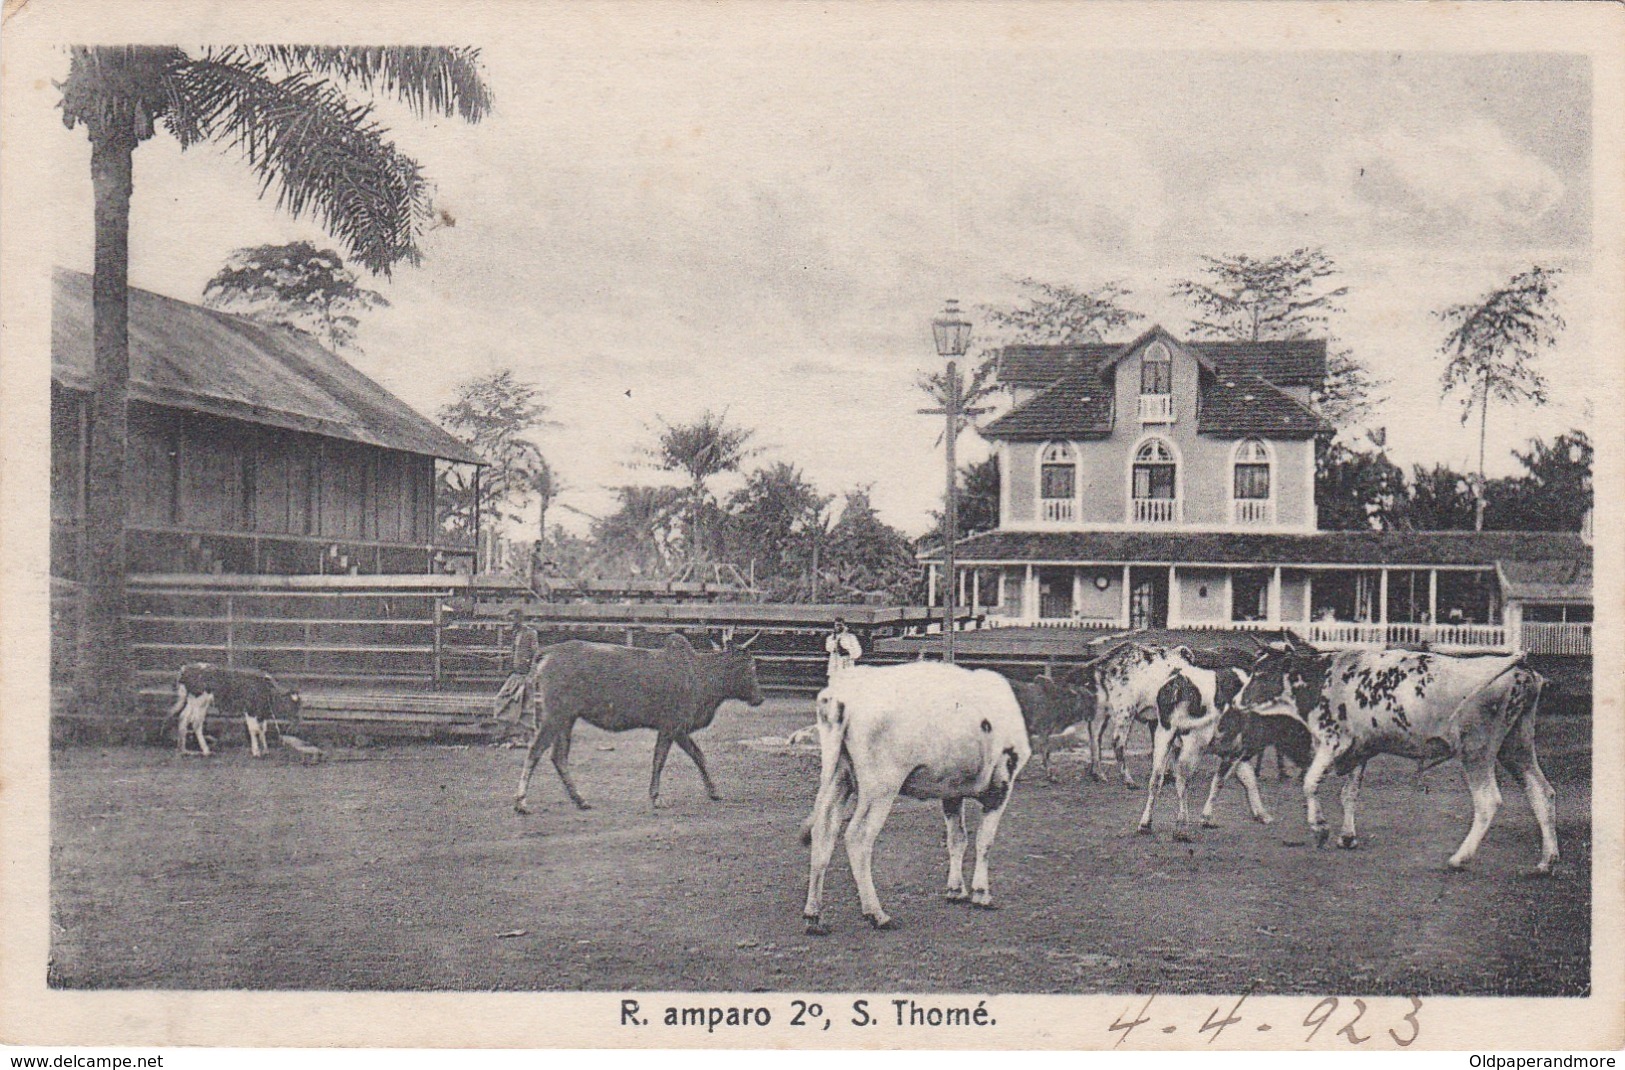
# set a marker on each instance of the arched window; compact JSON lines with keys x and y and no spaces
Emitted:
{"x":1058,"y":482}
{"x":1155,"y":483}
{"x":1251,"y":488}
{"x":1157,"y":370}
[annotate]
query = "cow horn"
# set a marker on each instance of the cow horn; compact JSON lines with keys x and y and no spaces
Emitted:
{"x":746,"y":644}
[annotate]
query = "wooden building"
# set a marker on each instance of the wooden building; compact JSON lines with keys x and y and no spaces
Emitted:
{"x":253,"y":450}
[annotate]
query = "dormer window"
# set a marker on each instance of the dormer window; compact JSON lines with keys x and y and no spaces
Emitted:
{"x":1058,"y":483}
{"x":1156,"y":384}
{"x":1252,"y":498}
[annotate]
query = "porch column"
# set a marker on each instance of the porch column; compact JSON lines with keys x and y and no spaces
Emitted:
{"x":1077,"y":590}
{"x":931,"y":587}
{"x":975,"y":592}
{"x":1382,"y":597}
{"x":1127,"y":616}
{"x":1029,"y":596}
{"x":1273,"y":611}
{"x":1433,"y":596}
{"x":1173,"y":595}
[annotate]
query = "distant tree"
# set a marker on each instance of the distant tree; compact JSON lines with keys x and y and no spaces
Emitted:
{"x":640,"y":538}
{"x":868,"y":558}
{"x":978,"y":488}
{"x":1357,"y":490}
{"x":1286,"y":297}
{"x":777,"y":518}
{"x":494,"y":414}
{"x":1049,"y":314}
{"x":701,"y":450}
{"x":295,"y":285}
{"x":1440,"y":499}
{"x":1554,"y":493}
{"x":1492,"y":344}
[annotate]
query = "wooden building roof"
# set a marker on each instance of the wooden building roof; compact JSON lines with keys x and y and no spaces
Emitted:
{"x":188,"y":357}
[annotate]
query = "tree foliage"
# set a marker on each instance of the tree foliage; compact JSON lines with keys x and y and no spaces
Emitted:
{"x":1283,"y":298}
{"x":295,"y":285}
{"x":1357,"y":490}
{"x":978,"y":490}
{"x":494,"y":415}
{"x":701,"y":450}
{"x":1492,"y":344}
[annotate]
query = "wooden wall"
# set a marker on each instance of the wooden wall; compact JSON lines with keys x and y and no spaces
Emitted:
{"x":197,"y":473}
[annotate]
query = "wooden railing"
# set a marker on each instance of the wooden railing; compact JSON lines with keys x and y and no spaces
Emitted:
{"x":1542,"y":638}
{"x":1255,"y":511}
{"x":1156,"y":408}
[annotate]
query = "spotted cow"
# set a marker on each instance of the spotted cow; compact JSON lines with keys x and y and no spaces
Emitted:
{"x":1126,"y":682}
{"x":1431,"y":707}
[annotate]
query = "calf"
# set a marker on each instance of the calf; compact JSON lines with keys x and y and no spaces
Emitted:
{"x":248,"y":693}
{"x":923,"y":729}
{"x":1429,"y":707}
{"x":1049,"y":706}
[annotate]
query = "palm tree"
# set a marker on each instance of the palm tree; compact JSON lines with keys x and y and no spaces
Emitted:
{"x":1491,"y":345}
{"x":702,"y":450}
{"x":284,"y":109}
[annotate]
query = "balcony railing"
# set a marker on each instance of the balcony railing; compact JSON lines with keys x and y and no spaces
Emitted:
{"x":1158,"y":510}
{"x":1255,"y":512}
{"x":1439,"y":636}
{"x":1156,"y":408}
{"x":1060,"y":510}
{"x":1543,"y":638}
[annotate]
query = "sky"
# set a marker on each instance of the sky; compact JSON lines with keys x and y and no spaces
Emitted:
{"x":649,"y":229}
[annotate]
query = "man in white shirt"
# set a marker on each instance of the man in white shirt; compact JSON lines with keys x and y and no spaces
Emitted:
{"x":842,"y":647}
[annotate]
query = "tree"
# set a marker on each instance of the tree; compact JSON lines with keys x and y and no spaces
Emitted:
{"x":1492,"y":343}
{"x":284,"y":109}
{"x":978,"y":489}
{"x":639,"y":538}
{"x":869,"y":558}
{"x":1440,"y":499}
{"x":1050,"y":314}
{"x":777,"y":518}
{"x":1555,"y":492}
{"x":295,"y":285}
{"x":1357,"y":490}
{"x":1287,"y":297}
{"x":701,"y":450}
{"x":493,"y":414}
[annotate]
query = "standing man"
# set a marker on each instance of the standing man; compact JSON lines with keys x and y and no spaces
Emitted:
{"x":516,"y":702}
{"x":842,"y":647}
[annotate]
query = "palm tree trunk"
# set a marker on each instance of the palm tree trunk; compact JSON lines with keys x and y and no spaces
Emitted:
{"x":105,"y":685}
{"x":1483,"y":425}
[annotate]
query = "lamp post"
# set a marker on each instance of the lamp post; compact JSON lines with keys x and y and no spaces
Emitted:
{"x":952,"y":333}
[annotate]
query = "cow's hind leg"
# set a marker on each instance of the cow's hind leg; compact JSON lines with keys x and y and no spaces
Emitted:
{"x":823,"y":828}
{"x":1225,"y":765}
{"x":1318,"y":765}
{"x":561,"y":762}
{"x":1349,"y":839}
{"x":1161,"y":742}
{"x":874,"y":806}
{"x":662,"y":748}
{"x":692,"y":749}
{"x":953,"y":815}
{"x":1518,"y":755}
{"x":1480,"y":774}
{"x":1097,"y":741}
{"x":1184,"y":770}
{"x":994,"y":802}
{"x":1120,"y":748}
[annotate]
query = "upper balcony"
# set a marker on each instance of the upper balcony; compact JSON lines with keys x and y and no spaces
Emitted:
{"x":1156,"y":408}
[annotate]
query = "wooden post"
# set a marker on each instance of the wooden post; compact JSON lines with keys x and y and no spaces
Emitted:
{"x":1173,"y":596}
{"x":439,"y":621}
{"x":1433,"y":596}
{"x":1273,"y":611}
{"x":1128,"y":615}
{"x":231,"y":638}
{"x":1029,"y":596}
{"x":1382,"y":600}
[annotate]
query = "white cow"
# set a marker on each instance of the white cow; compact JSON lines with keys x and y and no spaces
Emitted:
{"x":923,"y":729}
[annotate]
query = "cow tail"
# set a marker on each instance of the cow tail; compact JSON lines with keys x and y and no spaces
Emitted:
{"x":180,"y":700}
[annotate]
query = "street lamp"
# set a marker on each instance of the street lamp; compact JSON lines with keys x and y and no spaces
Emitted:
{"x":952,"y":333}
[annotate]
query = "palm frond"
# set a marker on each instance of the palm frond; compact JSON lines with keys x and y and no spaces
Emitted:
{"x":324,"y":155}
{"x":443,"y":79}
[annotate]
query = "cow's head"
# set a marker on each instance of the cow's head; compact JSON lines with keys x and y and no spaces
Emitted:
{"x":286,"y":706}
{"x":1284,"y":681}
{"x":738,"y":677}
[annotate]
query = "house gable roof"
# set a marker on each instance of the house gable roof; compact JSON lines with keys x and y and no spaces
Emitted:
{"x":1241,"y":391}
{"x":188,"y":357}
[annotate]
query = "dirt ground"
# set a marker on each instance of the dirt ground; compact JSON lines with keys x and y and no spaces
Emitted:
{"x":404,"y":868}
